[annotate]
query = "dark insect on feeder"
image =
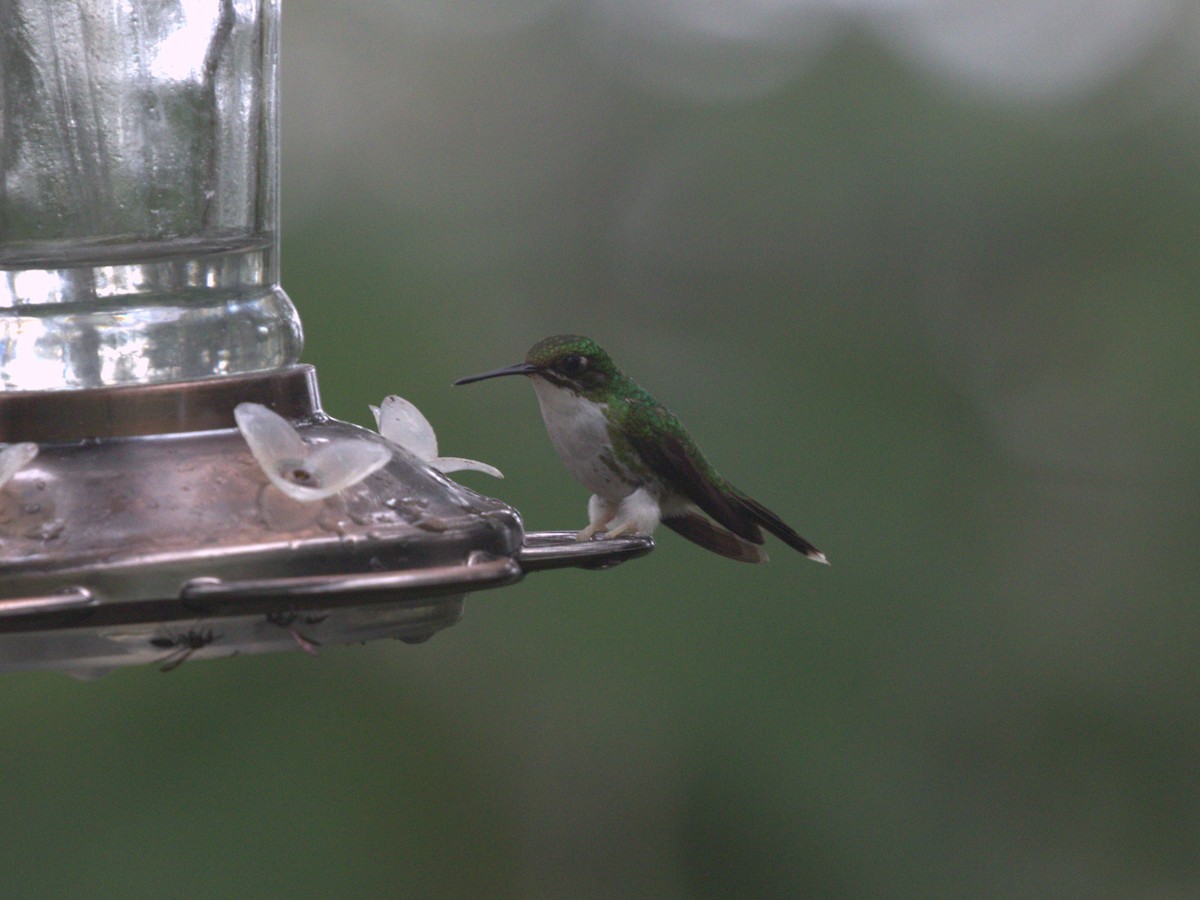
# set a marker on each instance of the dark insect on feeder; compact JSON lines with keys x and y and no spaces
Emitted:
{"x":182,"y":647}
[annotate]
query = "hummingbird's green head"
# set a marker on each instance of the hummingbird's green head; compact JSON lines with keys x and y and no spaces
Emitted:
{"x":568,"y":361}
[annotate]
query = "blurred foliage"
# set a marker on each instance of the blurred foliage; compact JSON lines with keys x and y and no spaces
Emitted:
{"x":951,"y":339}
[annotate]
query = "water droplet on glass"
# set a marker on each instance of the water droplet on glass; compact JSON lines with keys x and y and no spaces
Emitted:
{"x":429,"y":522}
{"x":47,"y":531}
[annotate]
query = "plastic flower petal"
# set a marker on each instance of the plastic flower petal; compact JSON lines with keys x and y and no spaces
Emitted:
{"x":15,"y":457}
{"x":403,"y":424}
{"x":302,"y":471}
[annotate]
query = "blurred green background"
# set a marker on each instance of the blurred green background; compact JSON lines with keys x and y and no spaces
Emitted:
{"x":920,"y":276}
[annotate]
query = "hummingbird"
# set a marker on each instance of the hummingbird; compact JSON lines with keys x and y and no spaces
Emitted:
{"x":638,"y":461}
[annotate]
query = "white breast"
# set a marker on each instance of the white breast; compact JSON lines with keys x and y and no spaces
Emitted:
{"x":578,"y":430}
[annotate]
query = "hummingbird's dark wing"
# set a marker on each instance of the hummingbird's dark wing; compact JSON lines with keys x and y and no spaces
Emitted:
{"x":775,"y":525}
{"x":674,"y":458}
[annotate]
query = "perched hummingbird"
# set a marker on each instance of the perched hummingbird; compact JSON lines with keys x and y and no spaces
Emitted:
{"x":640,"y":464}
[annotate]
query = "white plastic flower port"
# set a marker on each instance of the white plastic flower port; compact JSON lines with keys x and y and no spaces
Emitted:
{"x":305,"y":472}
{"x":402,"y":424}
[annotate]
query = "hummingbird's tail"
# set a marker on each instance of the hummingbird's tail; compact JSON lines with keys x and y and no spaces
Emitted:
{"x":748,"y":514}
{"x":768,"y":520}
{"x":699,"y":529}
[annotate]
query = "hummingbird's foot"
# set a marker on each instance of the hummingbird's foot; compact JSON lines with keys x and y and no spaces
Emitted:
{"x":590,"y":532}
{"x":600,"y":513}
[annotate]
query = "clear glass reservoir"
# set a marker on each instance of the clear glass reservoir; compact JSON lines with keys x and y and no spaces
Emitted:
{"x":139,"y":193}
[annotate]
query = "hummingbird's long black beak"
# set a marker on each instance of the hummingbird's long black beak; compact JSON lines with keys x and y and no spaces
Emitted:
{"x":522,"y":368}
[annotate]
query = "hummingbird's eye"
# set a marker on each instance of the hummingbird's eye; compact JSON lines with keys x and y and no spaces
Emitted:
{"x":574,"y":363}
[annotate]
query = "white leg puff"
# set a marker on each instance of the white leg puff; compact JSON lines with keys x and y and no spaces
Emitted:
{"x":639,"y":513}
{"x":600,"y":513}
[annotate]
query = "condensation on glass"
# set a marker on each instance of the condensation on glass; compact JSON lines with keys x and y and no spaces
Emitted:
{"x":139,"y":197}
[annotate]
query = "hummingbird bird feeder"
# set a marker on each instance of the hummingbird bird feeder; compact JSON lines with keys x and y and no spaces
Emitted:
{"x":140,"y":308}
